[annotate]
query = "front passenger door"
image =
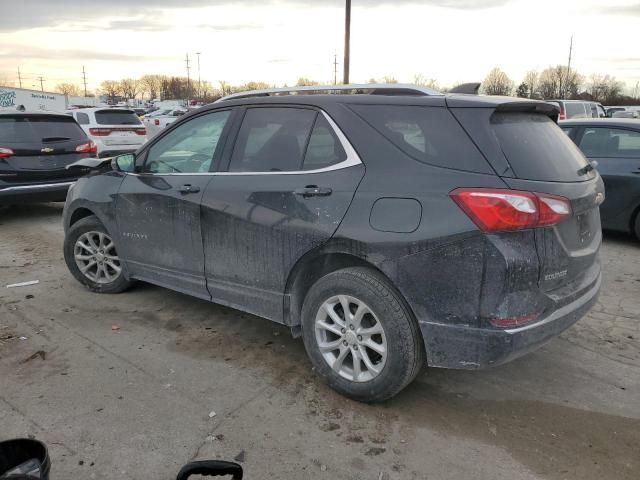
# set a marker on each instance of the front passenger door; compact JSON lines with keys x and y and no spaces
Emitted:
{"x":158,"y":208}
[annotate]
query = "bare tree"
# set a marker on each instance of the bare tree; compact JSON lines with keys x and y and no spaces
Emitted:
{"x":604,"y":88}
{"x":306,"y":82}
{"x":419,"y":79}
{"x":225,"y":88}
{"x":557,"y":82}
{"x":68,"y":89}
{"x":497,"y":83}
{"x":389,"y":79}
{"x":111,"y":88}
{"x":129,"y":87}
{"x":532,"y":80}
{"x":152,"y":84}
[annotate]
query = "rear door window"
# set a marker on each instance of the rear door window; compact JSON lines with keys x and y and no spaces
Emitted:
{"x":272,"y":140}
{"x":83,"y":118}
{"x":38,"y":129}
{"x":537,"y":149}
{"x":427,"y":134}
{"x":116,"y":117}
{"x":610,"y":142}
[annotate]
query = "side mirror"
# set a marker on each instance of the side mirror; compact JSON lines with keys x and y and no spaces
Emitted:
{"x":211,"y":468}
{"x":124,"y":163}
{"x":24,"y":459}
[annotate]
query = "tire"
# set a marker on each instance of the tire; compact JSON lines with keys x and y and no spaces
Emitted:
{"x":401,"y":338}
{"x":100,"y":277}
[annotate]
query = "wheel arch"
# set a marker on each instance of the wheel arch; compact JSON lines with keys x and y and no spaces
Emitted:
{"x":78,"y":214}
{"x":315,"y":265}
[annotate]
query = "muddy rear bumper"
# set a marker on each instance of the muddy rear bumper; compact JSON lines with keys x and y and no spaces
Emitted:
{"x":459,"y":347}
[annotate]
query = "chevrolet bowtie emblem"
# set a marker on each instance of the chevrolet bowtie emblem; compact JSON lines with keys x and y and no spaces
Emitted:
{"x":47,"y":150}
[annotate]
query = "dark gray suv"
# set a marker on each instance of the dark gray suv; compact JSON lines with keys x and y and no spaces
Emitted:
{"x":391,"y":227}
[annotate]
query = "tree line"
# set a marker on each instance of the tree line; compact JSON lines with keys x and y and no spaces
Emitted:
{"x":561,"y":82}
{"x":554,"y":82}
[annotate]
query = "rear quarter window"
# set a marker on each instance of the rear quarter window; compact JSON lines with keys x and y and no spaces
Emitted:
{"x":537,"y":149}
{"x":576,"y":110}
{"x":38,"y":129}
{"x":428,"y":134}
{"x":116,"y":117}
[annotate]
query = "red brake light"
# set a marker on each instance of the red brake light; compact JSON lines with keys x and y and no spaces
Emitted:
{"x":88,"y":147}
{"x":140,"y":131}
{"x":496,"y":210}
{"x":5,"y":152}
{"x":562,"y":116}
{"x":100,"y":132}
{"x":514,"y":321}
{"x":156,"y":121}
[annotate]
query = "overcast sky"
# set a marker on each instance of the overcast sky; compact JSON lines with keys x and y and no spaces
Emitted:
{"x":279,"y":41}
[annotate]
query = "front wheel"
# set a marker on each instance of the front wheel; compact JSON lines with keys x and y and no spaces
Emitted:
{"x":91,"y":256}
{"x":360,"y":335}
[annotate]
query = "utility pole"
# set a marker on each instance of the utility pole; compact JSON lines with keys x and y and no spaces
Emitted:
{"x":19,"y":78}
{"x":569,"y":62}
{"x":335,"y":69}
{"x":84,"y":80}
{"x":347,"y":40}
{"x":188,"y":83}
{"x":199,"y":87}
{"x":41,"y":80}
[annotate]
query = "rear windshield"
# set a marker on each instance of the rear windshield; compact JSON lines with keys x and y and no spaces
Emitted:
{"x":38,"y":128}
{"x":576,"y":110}
{"x":537,"y":148}
{"x":427,"y":134}
{"x":117,"y":117}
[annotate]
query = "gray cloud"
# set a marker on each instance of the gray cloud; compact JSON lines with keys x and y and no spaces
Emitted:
{"x":51,"y":14}
{"x":22,"y":51}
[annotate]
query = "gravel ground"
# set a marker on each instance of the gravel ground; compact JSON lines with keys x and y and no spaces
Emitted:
{"x":126,"y":385}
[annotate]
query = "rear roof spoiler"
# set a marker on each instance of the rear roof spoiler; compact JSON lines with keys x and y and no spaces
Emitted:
{"x":548,"y":109}
{"x":467,"y":88}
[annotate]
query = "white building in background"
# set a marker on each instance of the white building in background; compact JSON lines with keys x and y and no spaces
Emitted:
{"x":15,"y":98}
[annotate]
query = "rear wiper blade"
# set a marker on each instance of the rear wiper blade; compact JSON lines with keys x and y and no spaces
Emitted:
{"x":54,"y":139}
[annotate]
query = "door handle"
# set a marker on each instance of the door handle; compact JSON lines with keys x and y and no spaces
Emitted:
{"x":184,"y":189}
{"x":313,"y":191}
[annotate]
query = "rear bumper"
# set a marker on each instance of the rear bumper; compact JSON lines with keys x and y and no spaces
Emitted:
{"x":39,"y":192}
{"x":459,"y":347}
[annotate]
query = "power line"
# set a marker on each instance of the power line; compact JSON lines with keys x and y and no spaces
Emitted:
{"x":41,"y":80}
{"x":347,"y":40}
{"x":199,"y":86}
{"x":84,"y":80}
{"x":188,"y":81}
{"x":335,"y":69}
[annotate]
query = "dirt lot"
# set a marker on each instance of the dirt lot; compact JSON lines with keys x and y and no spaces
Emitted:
{"x":136,"y":402}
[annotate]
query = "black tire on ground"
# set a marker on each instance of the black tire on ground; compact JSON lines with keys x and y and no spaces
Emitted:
{"x":405,"y":347}
{"x":88,"y":224}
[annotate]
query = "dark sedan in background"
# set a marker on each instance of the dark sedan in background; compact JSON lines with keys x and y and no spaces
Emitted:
{"x":615,"y":144}
{"x":35,"y":149}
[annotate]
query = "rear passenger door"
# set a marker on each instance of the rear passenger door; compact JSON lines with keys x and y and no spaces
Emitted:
{"x":617,"y":152}
{"x":290,"y":180}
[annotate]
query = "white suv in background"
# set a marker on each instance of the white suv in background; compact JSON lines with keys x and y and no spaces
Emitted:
{"x":113,"y":130}
{"x":157,"y":121}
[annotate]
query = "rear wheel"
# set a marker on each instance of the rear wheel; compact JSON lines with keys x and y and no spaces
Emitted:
{"x":360,"y":335}
{"x":91,"y":256}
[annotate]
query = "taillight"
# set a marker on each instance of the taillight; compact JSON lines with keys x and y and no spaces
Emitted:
{"x":140,"y":131}
{"x":562,"y":116}
{"x":156,"y":121}
{"x":497,"y":210}
{"x":5,"y":152}
{"x":88,"y":147}
{"x":100,"y":132}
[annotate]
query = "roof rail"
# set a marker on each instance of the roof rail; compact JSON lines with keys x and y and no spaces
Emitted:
{"x":359,"y":88}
